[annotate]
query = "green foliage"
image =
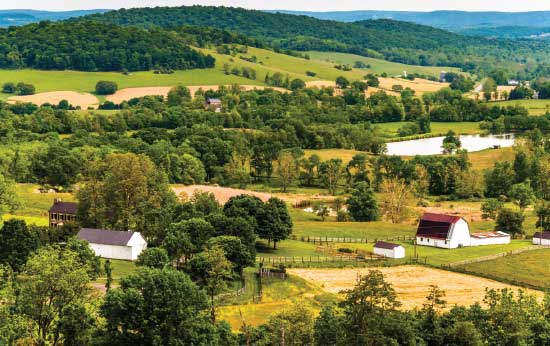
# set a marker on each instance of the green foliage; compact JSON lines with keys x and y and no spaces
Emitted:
{"x":362,"y":204}
{"x":17,"y":242}
{"x":93,"y":46}
{"x":396,"y":41}
{"x":342,"y":82}
{"x":155,"y":305}
{"x":510,"y":221}
{"x":153,"y":258}
{"x":106,"y":88}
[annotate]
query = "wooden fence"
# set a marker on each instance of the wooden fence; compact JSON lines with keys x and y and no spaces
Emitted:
{"x":326,"y":240}
{"x":495,"y":256}
{"x":317,"y":259}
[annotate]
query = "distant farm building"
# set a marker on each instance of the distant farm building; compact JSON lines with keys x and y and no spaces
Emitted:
{"x":214,"y":105}
{"x":114,"y":244}
{"x":451,"y":232}
{"x":389,"y":250}
{"x":541,"y":238}
{"x":62,"y":213}
{"x":442,"y":76}
{"x":513,"y":82}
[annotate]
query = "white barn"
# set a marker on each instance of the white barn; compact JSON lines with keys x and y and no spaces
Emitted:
{"x":541,"y":238}
{"x":114,"y":244}
{"x":451,"y":232}
{"x":389,"y":250}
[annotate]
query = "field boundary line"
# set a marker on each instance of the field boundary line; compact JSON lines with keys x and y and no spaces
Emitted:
{"x":495,"y":256}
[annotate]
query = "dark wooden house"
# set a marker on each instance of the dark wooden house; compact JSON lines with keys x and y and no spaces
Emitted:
{"x":62,"y":213}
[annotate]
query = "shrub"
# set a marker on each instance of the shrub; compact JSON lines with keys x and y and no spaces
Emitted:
{"x":106,"y":88}
{"x":9,"y":88}
{"x":345,"y":250}
{"x":25,"y":89}
{"x":311,"y":73}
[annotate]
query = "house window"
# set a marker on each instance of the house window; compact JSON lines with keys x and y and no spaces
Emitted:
{"x":421,"y":239}
{"x":446,"y":242}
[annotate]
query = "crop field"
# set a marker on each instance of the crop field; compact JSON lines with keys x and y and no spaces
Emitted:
{"x":377,"y":66}
{"x":531,"y":268}
{"x":76,"y":99}
{"x":411,"y":283}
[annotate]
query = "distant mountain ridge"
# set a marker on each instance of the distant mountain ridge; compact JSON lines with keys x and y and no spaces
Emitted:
{"x":449,"y":20}
{"x":23,"y":17}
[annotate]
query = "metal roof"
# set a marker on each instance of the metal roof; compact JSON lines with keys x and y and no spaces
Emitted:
{"x":545,"y":235}
{"x":385,"y":245}
{"x":105,"y":237}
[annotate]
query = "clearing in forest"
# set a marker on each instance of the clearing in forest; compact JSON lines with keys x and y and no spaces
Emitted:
{"x":84,"y":100}
{"x":223,"y":194}
{"x":411,"y":283}
{"x":419,"y":85}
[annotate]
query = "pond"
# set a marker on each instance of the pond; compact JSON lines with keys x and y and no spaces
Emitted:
{"x":432,"y":146}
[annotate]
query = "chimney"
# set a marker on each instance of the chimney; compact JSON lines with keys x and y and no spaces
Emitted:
{"x":56,"y":200}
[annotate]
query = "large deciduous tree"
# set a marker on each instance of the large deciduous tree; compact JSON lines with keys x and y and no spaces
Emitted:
{"x":362,"y":204}
{"x":127,"y":192}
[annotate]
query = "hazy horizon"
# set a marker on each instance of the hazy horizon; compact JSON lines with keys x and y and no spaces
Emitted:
{"x":297,"y":5}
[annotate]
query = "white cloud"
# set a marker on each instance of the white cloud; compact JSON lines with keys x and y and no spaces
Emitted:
{"x":310,"y":5}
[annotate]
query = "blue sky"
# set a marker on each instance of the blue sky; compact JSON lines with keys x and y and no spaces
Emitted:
{"x":310,"y":5}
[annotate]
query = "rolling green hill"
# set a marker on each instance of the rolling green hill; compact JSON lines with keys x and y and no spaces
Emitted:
{"x":392,"y":40}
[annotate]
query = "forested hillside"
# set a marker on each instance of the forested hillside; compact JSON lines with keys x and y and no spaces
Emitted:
{"x":92,"y":46}
{"x":392,"y":40}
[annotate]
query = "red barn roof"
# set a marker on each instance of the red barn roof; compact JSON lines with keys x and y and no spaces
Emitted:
{"x":436,"y":225}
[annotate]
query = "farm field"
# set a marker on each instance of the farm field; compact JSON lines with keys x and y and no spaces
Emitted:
{"x":437,"y":128}
{"x":76,"y":99}
{"x":86,"y":81}
{"x":410,"y":282}
{"x":535,"y":107}
{"x":278,"y":295}
{"x":420,"y":86}
{"x":529,"y":268}
{"x":378,"y":66}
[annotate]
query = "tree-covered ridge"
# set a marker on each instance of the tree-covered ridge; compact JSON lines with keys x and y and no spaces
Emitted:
{"x":393,"y":40}
{"x":92,"y":46}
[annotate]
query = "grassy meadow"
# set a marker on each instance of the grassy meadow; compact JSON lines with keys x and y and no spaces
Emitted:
{"x":378,"y":66}
{"x":535,"y":107}
{"x":530,"y":268}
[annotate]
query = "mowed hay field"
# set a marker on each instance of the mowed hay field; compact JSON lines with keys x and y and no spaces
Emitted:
{"x":530,"y":268}
{"x":76,"y":99}
{"x":420,"y":86}
{"x":411,"y":283}
{"x":130,"y":93}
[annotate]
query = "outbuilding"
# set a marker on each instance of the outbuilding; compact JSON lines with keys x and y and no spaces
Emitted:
{"x":114,"y":244}
{"x":389,"y":250}
{"x":541,"y":238}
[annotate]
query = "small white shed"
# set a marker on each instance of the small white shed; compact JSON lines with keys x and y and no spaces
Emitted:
{"x":541,"y":238}
{"x":389,"y":250}
{"x":114,"y":244}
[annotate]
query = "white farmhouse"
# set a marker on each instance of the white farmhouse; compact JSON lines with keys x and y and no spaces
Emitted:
{"x":451,"y":232}
{"x":389,"y":250}
{"x":541,"y":238}
{"x":114,"y":244}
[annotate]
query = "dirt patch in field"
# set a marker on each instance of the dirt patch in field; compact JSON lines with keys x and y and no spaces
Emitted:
{"x":130,"y":93}
{"x":223,"y":194}
{"x":321,"y":84}
{"x":419,"y":85}
{"x":411,"y":283}
{"x":468,"y":213}
{"x":84,"y":100}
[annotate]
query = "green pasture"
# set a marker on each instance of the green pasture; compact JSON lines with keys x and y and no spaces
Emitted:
{"x":377,"y":65}
{"x":535,"y":107}
{"x":531,"y":268}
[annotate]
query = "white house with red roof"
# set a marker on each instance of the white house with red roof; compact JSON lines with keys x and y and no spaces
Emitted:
{"x":451,"y":232}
